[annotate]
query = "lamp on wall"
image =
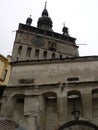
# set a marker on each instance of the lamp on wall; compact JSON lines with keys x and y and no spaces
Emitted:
{"x":76,"y":113}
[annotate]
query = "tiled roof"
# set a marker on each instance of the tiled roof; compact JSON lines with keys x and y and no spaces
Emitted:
{"x":9,"y":125}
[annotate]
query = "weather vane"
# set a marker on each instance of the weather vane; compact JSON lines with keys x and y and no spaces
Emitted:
{"x":45,"y":4}
{"x":64,"y":24}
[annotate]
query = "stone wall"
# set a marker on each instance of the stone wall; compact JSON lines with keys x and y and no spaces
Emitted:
{"x":54,"y":72}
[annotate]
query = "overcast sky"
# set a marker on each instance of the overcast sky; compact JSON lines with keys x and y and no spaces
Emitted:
{"x":80,"y":16}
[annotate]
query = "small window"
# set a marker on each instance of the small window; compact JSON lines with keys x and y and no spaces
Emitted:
{"x":17,"y":58}
{"x":19,"y":50}
{"x":4,"y":75}
{"x":26,"y":81}
{"x":73,"y":79}
{"x":52,"y":46}
{"x":60,"y":56}
{"x":53,"y":55}
{"x":45,"y":54}
{"x":28,"y":52}
{"x":37,"y":53}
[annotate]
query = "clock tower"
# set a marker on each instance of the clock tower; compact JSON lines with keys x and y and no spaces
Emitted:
{"x":41,"y":42}
{"x":49,"y":82}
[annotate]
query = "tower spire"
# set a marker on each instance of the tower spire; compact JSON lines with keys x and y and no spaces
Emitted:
{"x":64,"y":24}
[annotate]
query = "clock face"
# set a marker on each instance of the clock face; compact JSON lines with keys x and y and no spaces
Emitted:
{"x":37,"y":41}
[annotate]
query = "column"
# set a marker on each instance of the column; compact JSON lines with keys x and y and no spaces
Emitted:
{"x":87,"y":105}
{"x":31,"y":110}
{"x":62,"y":109}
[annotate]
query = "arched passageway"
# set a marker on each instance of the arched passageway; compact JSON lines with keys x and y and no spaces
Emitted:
{"x":78,"y":125}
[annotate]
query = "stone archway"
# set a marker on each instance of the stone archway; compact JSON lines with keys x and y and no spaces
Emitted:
{"x":83,"y":125}
{"x":9,"y":125}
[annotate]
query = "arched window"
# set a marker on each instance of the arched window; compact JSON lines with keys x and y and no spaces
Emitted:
{"x":60,"y":56}
{"x":45,"y":54}
{"x":28,"y":54}
{"x":53,"y":56}
{"x":37,"y":53}
{"x":74,"y":101}
{"x":19,"y":50}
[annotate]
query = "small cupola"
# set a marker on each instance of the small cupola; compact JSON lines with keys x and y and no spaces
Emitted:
{"x":45,"y":22}
{"x":29,"y":21}
{"x":65,"y":30}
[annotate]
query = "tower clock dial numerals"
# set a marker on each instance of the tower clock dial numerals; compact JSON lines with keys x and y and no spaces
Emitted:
{"x":37,"y":41}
